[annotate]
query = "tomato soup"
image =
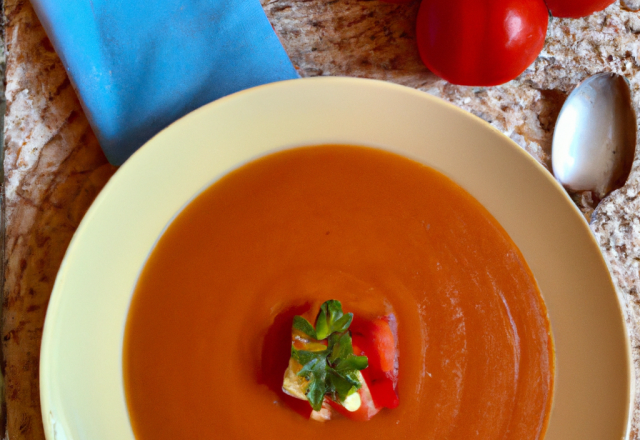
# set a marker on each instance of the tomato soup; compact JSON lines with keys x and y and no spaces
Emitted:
{"x":208,"y":332}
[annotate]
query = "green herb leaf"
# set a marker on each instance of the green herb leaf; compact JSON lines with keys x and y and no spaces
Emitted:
{"x":316,"y":392}
{"x":322,"y":326}
{"x":299,"y":323}
{"x":315,"y":372}
{"x":342,"y":356}
{"x":331,"y":319}
{"x":314,"y":369}
{"x":304,"y":357}
{"x":343,"y":323}
{"x":341,"y":386}
{"x":340,"y":346}
{"x":334,"y":309}
{"x":334,"y":371}
{"x":353,"y":377}
{"x":352,"y":363}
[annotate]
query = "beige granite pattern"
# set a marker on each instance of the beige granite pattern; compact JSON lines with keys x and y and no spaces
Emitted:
{"x":54,"y":168}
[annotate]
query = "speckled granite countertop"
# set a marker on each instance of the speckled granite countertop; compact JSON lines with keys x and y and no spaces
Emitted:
{"x":54,"y":167}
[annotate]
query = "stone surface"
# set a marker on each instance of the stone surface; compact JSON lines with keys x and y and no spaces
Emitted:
{"x":54,"y":168}
{"x":632,"y":5}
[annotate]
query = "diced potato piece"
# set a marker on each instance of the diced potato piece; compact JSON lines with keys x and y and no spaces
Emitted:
{"x":325,"y":414}
{"x":293,"y":384}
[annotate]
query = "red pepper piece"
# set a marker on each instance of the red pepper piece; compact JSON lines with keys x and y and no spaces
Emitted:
{"x":385,"y":344}
{"x":383,"y":394}
{"x":376,"y":340}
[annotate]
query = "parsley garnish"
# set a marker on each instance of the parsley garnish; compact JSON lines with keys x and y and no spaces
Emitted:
{"x":333,"y":371}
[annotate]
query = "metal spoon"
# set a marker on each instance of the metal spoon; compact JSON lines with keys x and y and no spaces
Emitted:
{"x":595,"y":136}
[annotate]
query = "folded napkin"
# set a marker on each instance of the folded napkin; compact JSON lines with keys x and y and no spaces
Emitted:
{"x":139,"y":65}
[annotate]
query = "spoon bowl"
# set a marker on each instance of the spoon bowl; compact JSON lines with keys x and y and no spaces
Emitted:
{"x":595,"y":136}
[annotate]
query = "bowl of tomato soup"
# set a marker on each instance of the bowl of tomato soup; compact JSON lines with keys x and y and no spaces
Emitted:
{"x":172,"y":314}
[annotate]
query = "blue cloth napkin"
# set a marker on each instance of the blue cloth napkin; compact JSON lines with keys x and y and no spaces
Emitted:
{"x":139,"y":65}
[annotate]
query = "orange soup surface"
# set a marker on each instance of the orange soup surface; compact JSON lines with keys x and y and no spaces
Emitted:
{"x":207,"y":338}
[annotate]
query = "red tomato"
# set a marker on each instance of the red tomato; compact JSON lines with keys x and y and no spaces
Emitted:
{"x":576,"y":8}
{"x":480,"y":42}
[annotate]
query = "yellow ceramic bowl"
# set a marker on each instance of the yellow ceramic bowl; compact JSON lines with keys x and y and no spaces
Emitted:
{"x":81,"y":361}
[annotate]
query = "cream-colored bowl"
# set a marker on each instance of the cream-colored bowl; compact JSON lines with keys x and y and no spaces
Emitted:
{"x":81,"y":361}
